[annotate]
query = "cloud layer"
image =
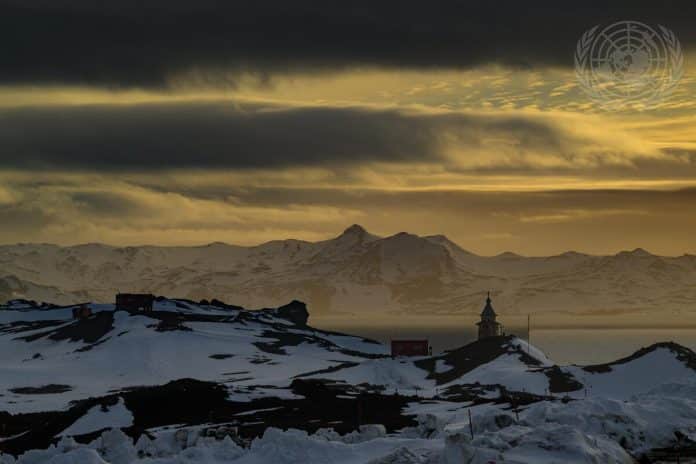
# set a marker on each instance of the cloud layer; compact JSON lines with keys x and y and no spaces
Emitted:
{"x":130,"y":44}
{"x":224,"y":135}
{"x":72,"y":208}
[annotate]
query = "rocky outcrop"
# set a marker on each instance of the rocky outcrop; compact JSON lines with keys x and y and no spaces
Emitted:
{"x":295,"y":312}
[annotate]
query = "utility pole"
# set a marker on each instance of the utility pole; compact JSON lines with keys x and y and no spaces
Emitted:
{"x":471,"y":425}
{"x":529,"y":332}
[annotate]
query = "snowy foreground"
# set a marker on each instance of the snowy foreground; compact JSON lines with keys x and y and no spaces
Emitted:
{"x":215,"y":383}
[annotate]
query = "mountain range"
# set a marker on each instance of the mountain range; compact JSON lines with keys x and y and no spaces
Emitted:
{"x":357,"y":273}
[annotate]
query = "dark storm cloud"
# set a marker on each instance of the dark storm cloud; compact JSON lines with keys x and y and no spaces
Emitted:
{"x":210,"y":135}
{"x":18,"y":218}
{"x":445,"y":202}
{"x":130,"y":43}
{"x":106,"y":203}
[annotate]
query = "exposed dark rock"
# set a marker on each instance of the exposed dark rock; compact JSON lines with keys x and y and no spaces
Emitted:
{"x":175,"y":321}
{"x":221,"y":356}
{"x":22,"y":302}
{"x":28,"y":326}
{"x":168,"y":324}
{"x":470,"y":393}
{"x":284,"y":339}
{"x":88,"y":330}
{"x":219,"y":304}
{"x":560,"y":381}
{"x":197,"y":402}
{"x":295,"y":312}
{"x":92,"y":345}
{"x":44,"y":390}
{"x":328,"y":370}
{"x":465,"y":359}
{"x":503,"y":420}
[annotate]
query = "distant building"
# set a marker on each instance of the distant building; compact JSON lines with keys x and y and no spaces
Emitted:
{"x":488,"y":326}
{"x":135,"y":301}
{"x":410,"y":348}
{"x":81,"y":312}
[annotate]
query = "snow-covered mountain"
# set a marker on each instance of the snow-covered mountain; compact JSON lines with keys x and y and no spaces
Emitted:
{"x":177,"y":377}
{"x":356,"y":272}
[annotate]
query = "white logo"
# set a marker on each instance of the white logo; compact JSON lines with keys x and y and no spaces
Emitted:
{"x":628,"y":65}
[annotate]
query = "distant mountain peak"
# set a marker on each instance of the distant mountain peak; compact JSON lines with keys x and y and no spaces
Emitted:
{"x":405,"y":239}
{"x":216,"y":244}
{"x":570,"y":255}
{"x":638,"y":252}
{"x":355,"y":229}
{"x":508,"y":255}
{"x":355,"y":234}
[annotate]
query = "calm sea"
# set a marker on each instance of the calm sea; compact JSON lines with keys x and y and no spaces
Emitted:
{"x":563,"y":345}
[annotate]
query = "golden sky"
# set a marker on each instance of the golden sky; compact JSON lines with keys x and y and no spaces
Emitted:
{"x":495,"y":156}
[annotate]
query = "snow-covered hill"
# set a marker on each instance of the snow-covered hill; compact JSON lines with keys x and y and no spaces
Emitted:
{"x":356,"y":272}
{"x":187,"y":369}
{"x":48,"y":359}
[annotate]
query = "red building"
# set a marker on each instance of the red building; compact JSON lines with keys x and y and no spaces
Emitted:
{"x":410,"y":348}
{"x":135,"y":301}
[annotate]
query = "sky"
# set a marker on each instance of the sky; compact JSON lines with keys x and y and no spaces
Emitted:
{"x":185,"y":123}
